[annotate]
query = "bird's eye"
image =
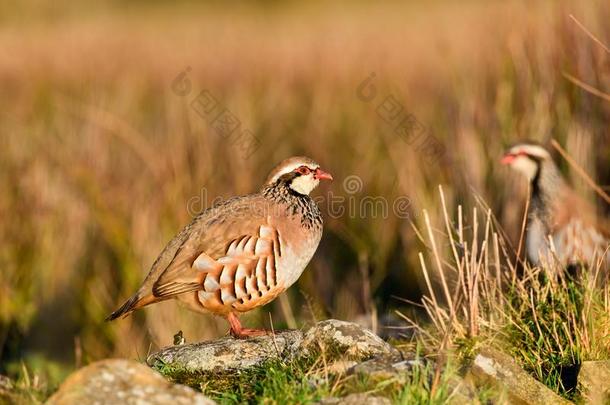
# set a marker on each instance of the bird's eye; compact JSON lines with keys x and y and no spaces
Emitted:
{"x":304,"y":170}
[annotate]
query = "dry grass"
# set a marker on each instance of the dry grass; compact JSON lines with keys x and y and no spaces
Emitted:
{"x":479,"y":291}
{"x":98,"y":156}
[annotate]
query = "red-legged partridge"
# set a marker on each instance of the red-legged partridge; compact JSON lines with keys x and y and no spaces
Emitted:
{"x":243,"y":252}
{"x":559,"y":221}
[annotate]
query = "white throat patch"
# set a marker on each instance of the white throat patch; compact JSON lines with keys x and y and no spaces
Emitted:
{"x":525,"y":166}
{"x":304,"y":184}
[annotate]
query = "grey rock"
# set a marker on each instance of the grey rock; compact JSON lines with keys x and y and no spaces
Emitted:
{"x":356,"y":399}
{"x":491,"y":367}
{"x":462,"y":392}
{"x":396,"y":368}
{"x":115,"y":381}
{"x":385,"y":367}
{"x":227,"y":354}
{"x":594,"y":381}
{"x":345,"y":339}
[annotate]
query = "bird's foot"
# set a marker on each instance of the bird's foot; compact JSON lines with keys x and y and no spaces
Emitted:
{"x":245,"y":333}
{"x":242,"y":333}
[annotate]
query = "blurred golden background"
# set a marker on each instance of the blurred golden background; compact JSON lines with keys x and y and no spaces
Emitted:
{"x":103,"y":157}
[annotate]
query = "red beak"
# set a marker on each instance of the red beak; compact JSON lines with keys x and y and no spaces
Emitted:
{"x":508,"y":159}
{"x":322,"y":175}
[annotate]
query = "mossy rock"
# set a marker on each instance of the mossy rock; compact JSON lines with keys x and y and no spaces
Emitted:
{"x":221,"y":364}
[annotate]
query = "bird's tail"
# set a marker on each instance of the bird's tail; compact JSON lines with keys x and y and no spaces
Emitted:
{"x":133,"y":303}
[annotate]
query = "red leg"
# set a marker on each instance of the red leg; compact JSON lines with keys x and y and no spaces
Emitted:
{"x":239,"y":332}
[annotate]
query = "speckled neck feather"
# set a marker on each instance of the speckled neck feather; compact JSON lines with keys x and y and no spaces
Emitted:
{"x":297,"y":204}
{"x":546,"y":189}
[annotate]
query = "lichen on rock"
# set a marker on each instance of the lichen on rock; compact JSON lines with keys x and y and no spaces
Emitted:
{"x":340,"y":338}
{"x":594,"y":381}
{"x":491,"y":367}
{"x":228,"y":353}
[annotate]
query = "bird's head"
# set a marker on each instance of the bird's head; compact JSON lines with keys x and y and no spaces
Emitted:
{"x":526,"y":158}
{"x":301,"y":174}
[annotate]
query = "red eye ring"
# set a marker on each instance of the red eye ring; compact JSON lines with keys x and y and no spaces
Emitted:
{"x":304,"y":170}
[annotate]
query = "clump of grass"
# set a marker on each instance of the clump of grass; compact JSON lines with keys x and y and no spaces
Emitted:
{"x":420,"y":387}
{"x":478,"y":292}
{"x":571,"y":316}
{"x":28,"y":388}
{"x":283,"y":383}
{"x":275,"y":381}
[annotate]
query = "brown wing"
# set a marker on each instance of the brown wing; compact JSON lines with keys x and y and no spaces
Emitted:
{"x":579,"y":234}
{"x":234,"y":234}
{"x":571,"y":206}
{"x":209,"y":235}
{"x":231,"y":273}
{"x":244,"y":276}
